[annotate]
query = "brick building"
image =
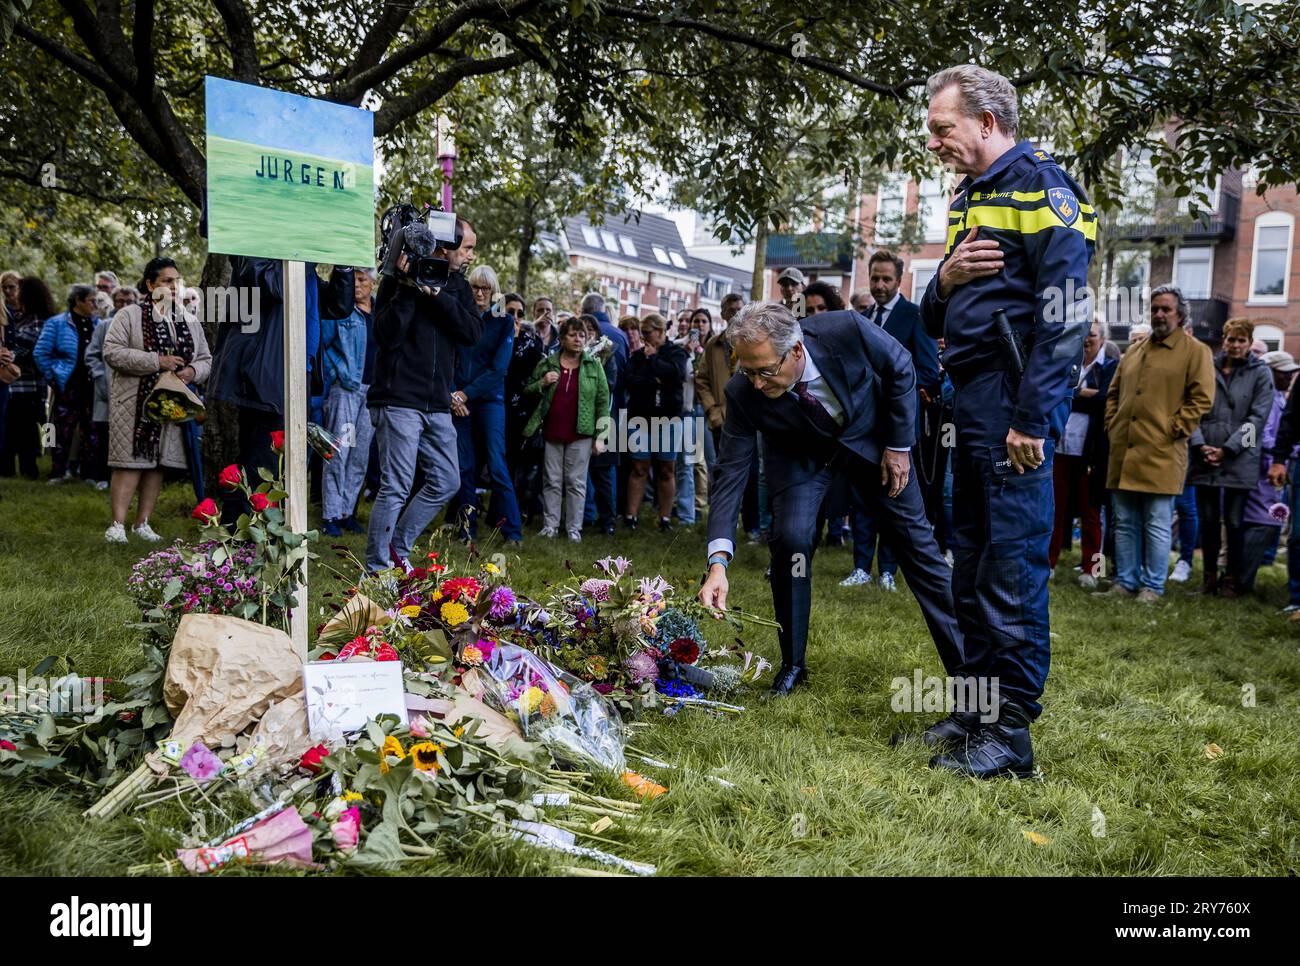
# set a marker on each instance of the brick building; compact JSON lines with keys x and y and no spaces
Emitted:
{"x":643,"y":266}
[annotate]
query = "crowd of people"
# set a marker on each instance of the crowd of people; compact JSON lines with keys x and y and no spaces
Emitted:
{"x":519,"y":415}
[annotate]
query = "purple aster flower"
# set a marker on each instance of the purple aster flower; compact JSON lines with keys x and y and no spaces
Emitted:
{"x":503,"y":603}
{"x":596,"y":588}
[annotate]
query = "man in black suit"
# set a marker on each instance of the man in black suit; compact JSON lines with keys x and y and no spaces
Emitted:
{"x":833,"y":393}
{"x":901,"y":318}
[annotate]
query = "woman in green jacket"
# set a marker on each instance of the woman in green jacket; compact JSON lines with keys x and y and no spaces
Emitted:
{"x":572,"y":416}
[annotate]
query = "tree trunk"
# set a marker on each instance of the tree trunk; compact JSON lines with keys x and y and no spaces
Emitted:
{"x":221,"y":427}
{"x":525,"y":259}
{"x":758,"y":286}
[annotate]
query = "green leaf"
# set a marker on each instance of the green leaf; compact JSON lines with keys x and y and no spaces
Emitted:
{"x":382,"y":848}
{"x":173,"y":588}
{"x":266,"y":474}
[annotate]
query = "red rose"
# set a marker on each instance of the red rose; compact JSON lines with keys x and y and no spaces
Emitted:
{"x":206,"y":511}
{"x":259,"y":502}
{"x":684,"y":650}
{"x":230,"y":477}
{"x":312,"y":760}
{"x":385,"y":652}
{"x":327,"y":656}
{"x":8,"y":745}
{"x":277,"y":441}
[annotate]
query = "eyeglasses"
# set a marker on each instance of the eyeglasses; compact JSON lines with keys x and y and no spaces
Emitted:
{"x":517,"y":313}
{"x":481,"y":288}
{"x":770,"y":372}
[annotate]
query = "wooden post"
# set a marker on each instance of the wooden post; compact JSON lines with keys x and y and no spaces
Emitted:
{"x":295,"y":428}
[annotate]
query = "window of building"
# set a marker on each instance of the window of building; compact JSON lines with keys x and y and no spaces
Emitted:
{"x":661,"y":256}
{"x":609,"y":241}
{"x":923,"y":270}
{"x":1193,"y":269}
{"x":1128,"y":288}
{"x":889,"y":209}
{"x":676,"y":258}
{"x":933,"y":211}
{"x":590,"y":236}
{"x":663,"y":303}
{"x":628,"y":248}
{"x":1270,"y":335}
{"x":633,"y":306}
{"x":1270,"y":266}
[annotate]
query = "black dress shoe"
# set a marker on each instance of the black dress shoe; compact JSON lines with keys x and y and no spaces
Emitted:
{"x":630,"y":522}
{"x":352,"y":526}
{"x":665,"y":526}
{"x":954,"y":730}
{"x":999,"y":748}
{"x":790,"y":676}
{"x":609,"y":529}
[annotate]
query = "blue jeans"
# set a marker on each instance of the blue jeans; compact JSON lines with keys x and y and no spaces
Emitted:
{"x":1188,"y":521}
{"x":1143,"y":537}
{"x":408,"y":437}
{"x":481,"y":439}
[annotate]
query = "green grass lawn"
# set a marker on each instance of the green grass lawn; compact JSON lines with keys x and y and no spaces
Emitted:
{"x":1135,"y":695}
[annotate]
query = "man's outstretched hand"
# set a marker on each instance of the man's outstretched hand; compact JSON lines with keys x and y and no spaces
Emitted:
{"x":713,"y":594}
{"x":895,"y":468}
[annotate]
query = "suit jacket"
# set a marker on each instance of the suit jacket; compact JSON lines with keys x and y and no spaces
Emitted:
{"x":904,"y":324}
{"x":872,"y":377}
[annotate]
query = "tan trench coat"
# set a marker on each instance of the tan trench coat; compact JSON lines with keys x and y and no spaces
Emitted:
{"x":127,"y":361}
{"x":1159,"y":395}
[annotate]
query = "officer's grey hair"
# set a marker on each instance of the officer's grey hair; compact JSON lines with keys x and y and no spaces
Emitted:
{"x":1177,"y":293}
{"x":1103,"y":327}
{"x":592,"y":303}
{"x":981,"y":90}
{"x":484,"y":275}
{"x":763,"y":321}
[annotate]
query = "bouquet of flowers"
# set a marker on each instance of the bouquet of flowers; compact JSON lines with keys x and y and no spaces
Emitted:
{"x":571,"y":719}
{"x":171,"y":401}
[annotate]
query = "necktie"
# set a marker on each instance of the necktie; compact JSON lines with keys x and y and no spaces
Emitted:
{"x":880,"y":315}
{"x":815,"y":411}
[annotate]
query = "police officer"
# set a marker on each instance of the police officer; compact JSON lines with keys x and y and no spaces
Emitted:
{"x":1020,"y":235}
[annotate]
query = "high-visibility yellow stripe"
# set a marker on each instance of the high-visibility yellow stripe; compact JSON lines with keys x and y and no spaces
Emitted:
{"x":1024,"y":222}
{"x":1008,"y":195}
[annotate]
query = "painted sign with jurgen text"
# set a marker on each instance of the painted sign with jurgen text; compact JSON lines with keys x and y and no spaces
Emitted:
{"x":289,"y":177}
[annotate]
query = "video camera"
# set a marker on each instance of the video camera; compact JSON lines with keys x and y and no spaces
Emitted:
{"x":417,"y":234}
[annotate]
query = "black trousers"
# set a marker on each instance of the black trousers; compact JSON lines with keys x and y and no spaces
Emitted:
{"x":902,"y":521}
{"x":255,"y":450}
{"x":22,"y":441}
{"x":1222,"y":506}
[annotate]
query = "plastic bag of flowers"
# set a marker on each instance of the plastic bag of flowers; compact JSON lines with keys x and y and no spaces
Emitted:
{"x":574,"y":722}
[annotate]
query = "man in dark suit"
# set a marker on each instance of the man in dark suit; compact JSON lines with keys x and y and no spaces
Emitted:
{"x":901,"y":318}
{"x":833,"y":393}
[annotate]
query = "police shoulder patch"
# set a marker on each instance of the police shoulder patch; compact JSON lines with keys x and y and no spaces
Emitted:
{"x":1064,"y":203}
{"x":1042,"y":157}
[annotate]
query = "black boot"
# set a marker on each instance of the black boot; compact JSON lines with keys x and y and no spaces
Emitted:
{"x":787,"y":679}
{"x":953,"y":731}
{"x":1001,"y":747}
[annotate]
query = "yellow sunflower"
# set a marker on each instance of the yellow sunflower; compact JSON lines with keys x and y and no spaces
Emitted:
{"x":491,"y":568}
{"x":454,"y":613}
{"x":392,"y":749}
{"x":425,"y":755}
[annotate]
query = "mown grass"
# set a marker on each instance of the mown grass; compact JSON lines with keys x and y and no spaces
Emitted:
{"x":1135,"y":696}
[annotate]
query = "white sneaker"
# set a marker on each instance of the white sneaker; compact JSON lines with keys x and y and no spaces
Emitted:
{"x":102,"y":485}
{"x":1087,"y":581}
{"x":1182,"y":571}
{"x":145,"y":532}
{"x":1289,"y":609}
{"x":115,"y":534}
{"x":886,"y":582}
{"x":549,"y":532}
{"x":856,"y":579}
{"x":575,"y":536}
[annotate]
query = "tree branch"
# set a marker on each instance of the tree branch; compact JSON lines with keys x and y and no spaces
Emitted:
{"x":395,"y":112}
{"x":354,"y":87}
{"x":142,"y":45}
{"x":378,"y":39}
{"x":243,"y":40}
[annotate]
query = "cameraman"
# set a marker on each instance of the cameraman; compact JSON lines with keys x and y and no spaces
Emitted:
{"x":418,"y":330}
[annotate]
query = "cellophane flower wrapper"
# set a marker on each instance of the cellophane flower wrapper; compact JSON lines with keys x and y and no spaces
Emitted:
{"x":575,"y":723}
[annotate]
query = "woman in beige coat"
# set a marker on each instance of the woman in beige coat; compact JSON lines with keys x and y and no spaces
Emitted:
{"x":144,"y":340}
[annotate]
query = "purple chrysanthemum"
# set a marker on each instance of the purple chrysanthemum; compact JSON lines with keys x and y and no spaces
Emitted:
{"x":503,"y":603}
{"x":596,"y":588}
{"x":642,"y":666}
